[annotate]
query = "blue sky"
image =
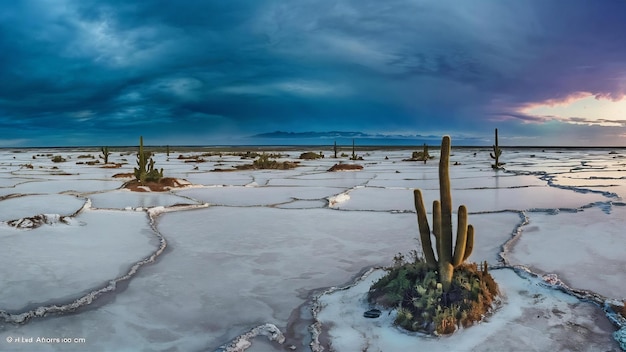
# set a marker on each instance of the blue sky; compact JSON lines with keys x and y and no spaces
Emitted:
{"x":81,"y":72}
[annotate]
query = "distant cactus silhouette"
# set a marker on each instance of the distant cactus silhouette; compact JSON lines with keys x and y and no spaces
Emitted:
{"x":447,"y":259}
{"x":354,"y":156}
{"x":105,"y":154}
{"x":496,"y":154}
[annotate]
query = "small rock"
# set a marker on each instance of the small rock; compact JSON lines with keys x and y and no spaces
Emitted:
{"x":372,"y":313}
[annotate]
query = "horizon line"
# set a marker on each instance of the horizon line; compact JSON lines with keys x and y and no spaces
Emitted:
{"x":382,"y":146}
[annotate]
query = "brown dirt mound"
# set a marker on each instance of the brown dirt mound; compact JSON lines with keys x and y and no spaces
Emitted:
{"x":124,"y":175}
{"x":111,"y":166}
{"x":345,"y":167}
{"x":164,"y":184}
{"x":223,"y":170}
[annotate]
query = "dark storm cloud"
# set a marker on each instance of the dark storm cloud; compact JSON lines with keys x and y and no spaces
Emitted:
{"x":93,"y":72}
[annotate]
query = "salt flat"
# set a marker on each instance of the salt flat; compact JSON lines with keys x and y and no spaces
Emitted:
{"x":247,"y":248}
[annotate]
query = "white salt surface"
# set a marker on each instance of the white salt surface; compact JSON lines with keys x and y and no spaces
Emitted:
{"x":271,"y":239}
{"x":122,"y":199}
{"x":27,"y":206}
{"x":58,"y":186}
{"x":483,"y":200}
{"x":584,"y":248}
{"x":56,"y":263}
{"x":257,"y":196}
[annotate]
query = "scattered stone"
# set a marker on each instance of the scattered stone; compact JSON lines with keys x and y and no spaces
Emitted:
{"x":372,"y":313}
{"x":37,"y":221}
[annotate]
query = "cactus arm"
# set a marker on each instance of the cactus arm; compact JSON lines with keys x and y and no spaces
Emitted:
{"x":424,"y":228}
{"x":437,"y":226}
{"x":469,"y":246}
{"x":446,"y":202}
{"x":461,"y":237}
{"x":497,"y":139}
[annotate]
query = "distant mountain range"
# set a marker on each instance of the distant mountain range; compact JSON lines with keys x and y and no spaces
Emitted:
{"x":361,"y":138}
{"x":338,"y":134}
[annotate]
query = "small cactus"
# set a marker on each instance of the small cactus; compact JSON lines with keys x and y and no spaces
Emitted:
{"x":354,"y":156}
{"x":105,"y":154}
{"x":145,"y":171}
{"x":496,"y":154}
{"x":425,"y":153}
{"x":447,"y":259}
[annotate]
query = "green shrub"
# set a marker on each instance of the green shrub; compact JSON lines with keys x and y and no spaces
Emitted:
{"x":265,"y":161}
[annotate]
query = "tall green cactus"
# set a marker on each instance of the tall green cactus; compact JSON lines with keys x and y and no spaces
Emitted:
{"x":447,"y":259}
{"x":145,"y":171}
{"x":105,"y":154}
{"x":335,"y":150}
{"x":496,"y":154}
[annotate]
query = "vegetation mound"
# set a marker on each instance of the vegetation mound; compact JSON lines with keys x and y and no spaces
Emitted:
{"x":161,"y":185}
{"x":420,"y":156}
{"x":265,"y":162}
{"x":422,"y":303}
{"x":311,"y":156}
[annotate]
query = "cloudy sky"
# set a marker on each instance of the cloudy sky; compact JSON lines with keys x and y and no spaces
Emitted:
{"x":87,"y":72}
